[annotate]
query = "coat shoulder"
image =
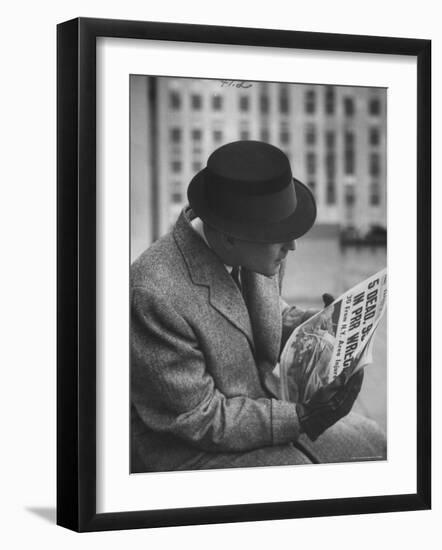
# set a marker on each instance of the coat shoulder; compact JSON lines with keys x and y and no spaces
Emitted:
{"x":160,"y":267}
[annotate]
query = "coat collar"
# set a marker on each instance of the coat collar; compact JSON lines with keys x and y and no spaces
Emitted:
{"x":260,"y":320}
{"x":206,"y":269}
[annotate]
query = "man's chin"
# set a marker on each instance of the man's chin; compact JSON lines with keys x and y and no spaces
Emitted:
{"x":268,"y":271}
{"x":271,"y":273}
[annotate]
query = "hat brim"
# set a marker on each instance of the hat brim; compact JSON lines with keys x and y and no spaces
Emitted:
{"x":292,"y":227}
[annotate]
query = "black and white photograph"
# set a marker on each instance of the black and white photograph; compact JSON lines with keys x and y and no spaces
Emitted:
{"x":258,"y":274}
{"x":218,"y":251}
{"x":244,"y":216}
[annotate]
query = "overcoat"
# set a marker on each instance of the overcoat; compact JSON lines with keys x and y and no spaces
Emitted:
{"x":201,"y":354}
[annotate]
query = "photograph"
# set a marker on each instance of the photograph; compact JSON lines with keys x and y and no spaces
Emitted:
{"x":222,"y":217}
{"x":258,"y":273}
{"x":233,"y":206}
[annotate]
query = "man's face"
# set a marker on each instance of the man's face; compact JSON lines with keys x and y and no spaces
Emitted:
{"x":262,"y":258}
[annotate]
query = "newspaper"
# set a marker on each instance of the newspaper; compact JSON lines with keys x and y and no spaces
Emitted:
{"x":337,"y":338}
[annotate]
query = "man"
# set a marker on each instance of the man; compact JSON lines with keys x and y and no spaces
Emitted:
{"x":207,"y":329}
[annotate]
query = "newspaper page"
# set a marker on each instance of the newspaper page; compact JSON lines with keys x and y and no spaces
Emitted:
{"x":339,"y":337}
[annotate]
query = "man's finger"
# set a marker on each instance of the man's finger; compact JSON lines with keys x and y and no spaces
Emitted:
{"x":356,"y":379}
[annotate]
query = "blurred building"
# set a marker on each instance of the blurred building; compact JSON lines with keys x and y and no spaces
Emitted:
{"x":334,"y":136}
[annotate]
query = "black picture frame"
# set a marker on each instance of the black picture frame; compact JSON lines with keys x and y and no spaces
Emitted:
{"x":76,"y":273}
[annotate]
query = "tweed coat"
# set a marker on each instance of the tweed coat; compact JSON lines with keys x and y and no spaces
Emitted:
{"x":201,"y":353}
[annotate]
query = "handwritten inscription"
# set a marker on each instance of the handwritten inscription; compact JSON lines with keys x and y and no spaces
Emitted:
{"x":235,"y":84}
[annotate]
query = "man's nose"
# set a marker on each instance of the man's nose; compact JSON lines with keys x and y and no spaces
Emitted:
{"x":290,"y":245}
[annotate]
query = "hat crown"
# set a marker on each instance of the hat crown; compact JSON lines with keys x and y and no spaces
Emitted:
{"x":247,"y":191}
{"x":251,"y":167}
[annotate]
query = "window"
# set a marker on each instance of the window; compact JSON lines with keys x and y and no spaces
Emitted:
{"x":310,"y":102}
{"x":217,"y":103}
{"x":244,"y":103}
{"x":196,"y":134}
{"x":284,"y":101}
{"x":176,"y":166}
{"x":175,"y":135}
{"x":349,"y":162}
{"x":284,"y":136}
{"x":174,"y":100}
{"x":349,"y":195}
{"x":330,"y":164}
{"x":196,"y":101}
{"x":349,"y":106}
{"x":375,"y":198}
{"x":265,"y":134}
{"x":177,"y":197}
{"x":349,"y":139}
{"x":374,"y":107}
{"x":375,"y":164}
{"x":244,"y":134}
{"x":310,"y":134}
{"x":330,"y":139}
{"x":374,"y":136}
{"x":217,"y":135}
{"x":329,"y":100}
{"x":196,"y":165}
{"x":349,"y":153}
{"x":331,"y":192}
{"x":264,"y":103}
{"x":311,"y":163}
{"x":312,"y":186}
{"x":330,"y":157}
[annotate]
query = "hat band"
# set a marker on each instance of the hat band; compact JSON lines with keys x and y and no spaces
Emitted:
{"x":269,"y":208}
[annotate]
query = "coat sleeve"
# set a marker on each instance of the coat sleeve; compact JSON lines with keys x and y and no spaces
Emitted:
{"x":173,"y":392}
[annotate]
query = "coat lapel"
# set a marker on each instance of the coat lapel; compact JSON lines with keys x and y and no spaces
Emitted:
{"x":262,"y":298}
{"x":206,"y":269}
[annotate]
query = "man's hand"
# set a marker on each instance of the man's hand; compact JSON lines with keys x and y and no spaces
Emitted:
{"x":326,"y":298}
{"x":329,"y":404}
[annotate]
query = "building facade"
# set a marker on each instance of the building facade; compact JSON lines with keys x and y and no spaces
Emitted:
{"x":334,"y":136}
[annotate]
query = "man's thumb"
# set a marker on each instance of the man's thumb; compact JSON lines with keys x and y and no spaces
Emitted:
{"x":327,"y":299}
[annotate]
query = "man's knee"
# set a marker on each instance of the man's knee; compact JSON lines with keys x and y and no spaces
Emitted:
{"x":353,"y":438}
{"x":280,"y":455}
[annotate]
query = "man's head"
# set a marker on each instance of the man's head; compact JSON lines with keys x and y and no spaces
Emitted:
{"x":264,"y":258}
{"x":248,"y":196}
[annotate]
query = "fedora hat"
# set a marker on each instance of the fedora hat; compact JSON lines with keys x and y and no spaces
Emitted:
{"x":247,"y":191}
